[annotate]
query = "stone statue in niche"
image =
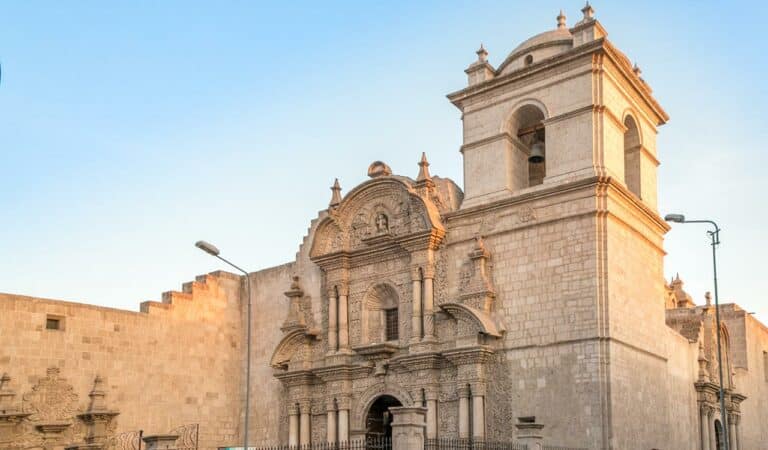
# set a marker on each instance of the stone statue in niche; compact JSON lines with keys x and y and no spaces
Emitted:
{"x":382,"y":223}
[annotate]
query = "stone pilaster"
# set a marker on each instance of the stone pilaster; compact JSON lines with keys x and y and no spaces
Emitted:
{"x":408,"y":427}
{"x":529,"y":433}
{"x":305,"y":414}
{"x":463,"y":412}
{"x":293,"y":425}
{"x":416,"y":317}
{"x":333,"y":326}
{"x":332,"y":426}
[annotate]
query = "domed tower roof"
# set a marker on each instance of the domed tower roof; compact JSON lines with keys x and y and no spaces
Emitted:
{"x":541,"y":46}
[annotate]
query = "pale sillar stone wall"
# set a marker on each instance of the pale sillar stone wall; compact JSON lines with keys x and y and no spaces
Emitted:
{"x":174,"y":363}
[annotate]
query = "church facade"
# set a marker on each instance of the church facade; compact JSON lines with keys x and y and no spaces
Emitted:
{"x":536,"y":294}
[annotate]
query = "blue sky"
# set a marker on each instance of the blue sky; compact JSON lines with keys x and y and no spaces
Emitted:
{"x":129,"y":130}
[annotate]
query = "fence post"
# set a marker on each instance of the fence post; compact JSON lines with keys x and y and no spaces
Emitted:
{"x":529,"y":433}
{"x":160,"y":441}
{"x":408,"y":427}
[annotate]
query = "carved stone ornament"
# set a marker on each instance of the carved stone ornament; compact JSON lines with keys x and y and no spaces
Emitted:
{"x":51,"y":400}
{"x":475,"y":285}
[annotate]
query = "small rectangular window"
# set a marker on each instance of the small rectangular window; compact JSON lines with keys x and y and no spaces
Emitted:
{"x":392,"y":329}
{"x":765,"y":365}
{"x":54,"y":323}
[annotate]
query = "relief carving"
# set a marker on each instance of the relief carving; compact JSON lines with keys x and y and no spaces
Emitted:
{"x":52,"y":399}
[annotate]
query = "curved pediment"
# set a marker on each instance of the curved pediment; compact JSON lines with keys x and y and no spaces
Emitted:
{"x":484,"y":322}
{"x":385,"y":209}
{"x":293,"y":350}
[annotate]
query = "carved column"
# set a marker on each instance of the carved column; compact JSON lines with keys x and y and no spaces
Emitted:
{"x":416,"y":318}
{"x":429,"y":303}
{"x":732,"y":435}
{"x":738,"y":431}
{"x":333,"y":326}
{"x":408,"y":427}
{"x":703,"y":427}
{"x":478,"y":412}
{"x":431,"y":397}
{"x":332,"y":427}
{"x":343,"y":321}
{"x":293,"y":425}
{"x":344,"y":405}
{"x":711,"y":429}
{"x":464,"y":412}
{"x":305,"y":435}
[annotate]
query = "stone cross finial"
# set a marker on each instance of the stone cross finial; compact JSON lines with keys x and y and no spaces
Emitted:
{"x":636,"y":69}
{"x":588,"y":11}
{"x":482,"y":54}
{"x":561,"y":20}
{"x":423,"y":168}
{"x":336,"y":196}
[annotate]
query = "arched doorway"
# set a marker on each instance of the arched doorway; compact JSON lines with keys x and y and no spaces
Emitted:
{"x":719,"y":444}
{"x":378,"y":422}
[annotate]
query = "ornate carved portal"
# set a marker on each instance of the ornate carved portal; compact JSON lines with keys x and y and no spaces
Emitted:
{"x":385,"y":339}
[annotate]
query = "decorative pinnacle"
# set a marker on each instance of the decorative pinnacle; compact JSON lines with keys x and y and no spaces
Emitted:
{"x":424,"y":169}
{"x":561,"y":20}
{"x":636,"y":69}
{"x":708,"y":298}
{"x":482,"y":54}
{"x":336,"y":196}
{"x":588,"y":11}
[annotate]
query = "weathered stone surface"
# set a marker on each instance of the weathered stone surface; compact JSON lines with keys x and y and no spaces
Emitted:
{"x":536,"y":293}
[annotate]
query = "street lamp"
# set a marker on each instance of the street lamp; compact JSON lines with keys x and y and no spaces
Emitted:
{"x":213,"y":251}
{"x":715,"y":237}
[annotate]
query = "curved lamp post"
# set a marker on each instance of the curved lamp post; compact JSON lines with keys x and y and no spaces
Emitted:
{"x":715,"y":237}
{"x":213,"y":251}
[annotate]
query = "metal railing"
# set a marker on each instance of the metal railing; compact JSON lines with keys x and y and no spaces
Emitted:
{"x":471,"y":444}
{"x":370,"y":443}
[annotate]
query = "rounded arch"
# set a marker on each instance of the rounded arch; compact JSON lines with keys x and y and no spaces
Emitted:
{"x":725,"y":343}
{"x":525,"y":124}
{"x":509,"y":120}
{"x":378,"y":303}
{"x":632,"y":146}
{"x":370,"y":395}
{"x":631,"y":114}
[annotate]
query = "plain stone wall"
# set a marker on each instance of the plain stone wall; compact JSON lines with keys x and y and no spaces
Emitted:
{"x":177,"y":363}
{"x":751,"y":380}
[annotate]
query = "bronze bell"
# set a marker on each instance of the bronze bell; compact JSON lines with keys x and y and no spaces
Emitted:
{"x":537,"y":153}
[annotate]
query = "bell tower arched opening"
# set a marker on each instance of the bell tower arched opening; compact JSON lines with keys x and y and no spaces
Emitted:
{"x":528,"y":127}
{"x":632,"y":156}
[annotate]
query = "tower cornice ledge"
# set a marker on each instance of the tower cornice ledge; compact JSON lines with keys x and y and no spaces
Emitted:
{"x":599,"y":46}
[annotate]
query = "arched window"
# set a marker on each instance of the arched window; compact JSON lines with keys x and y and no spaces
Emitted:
{"x":527,"y":125}
{"x":719,"y":442}
{"x":632,"y":156}
{"x":380,"y":315}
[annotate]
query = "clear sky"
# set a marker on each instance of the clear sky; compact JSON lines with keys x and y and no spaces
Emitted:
{"x":129,"y":130}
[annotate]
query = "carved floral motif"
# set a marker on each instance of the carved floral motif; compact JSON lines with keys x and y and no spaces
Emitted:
{"x":52,"y":399}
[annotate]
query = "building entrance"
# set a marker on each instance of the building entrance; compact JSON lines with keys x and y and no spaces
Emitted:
{"x":378,"y":423}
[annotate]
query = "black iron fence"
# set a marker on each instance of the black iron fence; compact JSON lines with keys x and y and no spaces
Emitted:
{"x":471,"y":444}
{"x":560,"y":447}
{"x":369,"y":443}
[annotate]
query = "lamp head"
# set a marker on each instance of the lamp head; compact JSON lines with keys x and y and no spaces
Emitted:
{"x":679,"y":218}
{"x":207,"y":248}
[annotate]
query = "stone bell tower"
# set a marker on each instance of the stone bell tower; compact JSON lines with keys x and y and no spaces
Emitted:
{"x":559,"y":152}
{"x":572,"y":97}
